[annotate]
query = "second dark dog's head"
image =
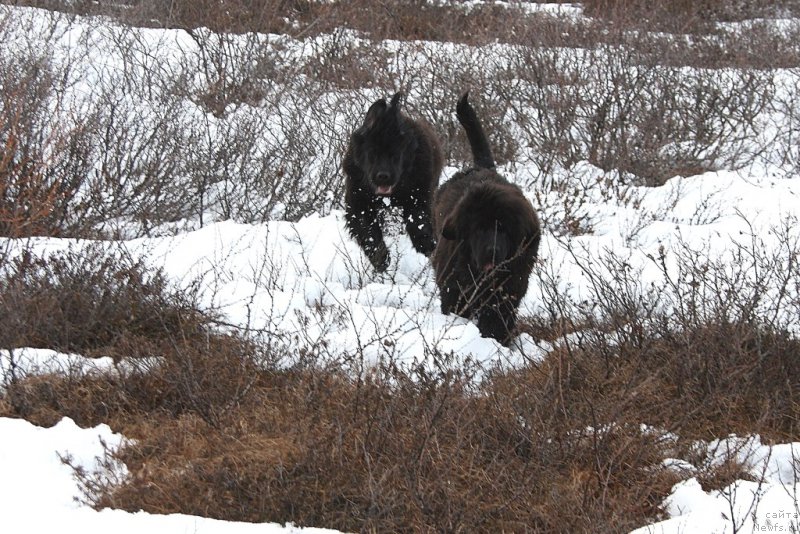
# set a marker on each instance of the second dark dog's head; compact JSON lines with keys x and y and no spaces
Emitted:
{"x":384,"y":146}
{"x":495,"y":223}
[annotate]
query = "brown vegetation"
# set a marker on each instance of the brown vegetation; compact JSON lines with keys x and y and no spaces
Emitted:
{"x":570,"y":443}
{"x":555,"y":445}
{"x":571,"y":89}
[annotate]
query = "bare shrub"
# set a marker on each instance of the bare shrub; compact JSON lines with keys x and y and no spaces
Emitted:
{"x":233,"y":69}
{"x":682,"y":15}
{"x":758,"y":44}
{"x":78,"y":157}
{"x":420,"y":20}
{"x":45,"y":146}
{"x":238,"y":16}
{"x":706,"y":34}
{"x":262,"y":142}
{"x":649,"y":121}
{"x":86,"y":300}
{"x":704,"y":353}
{"x":194,"y":371}
{"x":276,"y":162}
{"x":158,"y":144}
{"x":394,"y":451}
{"x":140,"y":180}
{"x":252,"y":127}
{"x":342,"y":60}
{"x":476,"y":24}
{"x":785,"y":142}
{"x":309,"y":144}
{"x":171,"y":357}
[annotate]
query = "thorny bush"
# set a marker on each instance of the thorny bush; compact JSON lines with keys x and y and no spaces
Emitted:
{"x":632,"y":374}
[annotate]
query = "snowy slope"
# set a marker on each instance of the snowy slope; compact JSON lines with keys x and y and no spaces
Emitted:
{"x":306,"y":284}
{"x":38,"y":493}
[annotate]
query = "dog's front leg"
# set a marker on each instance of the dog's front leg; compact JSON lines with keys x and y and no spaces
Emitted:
{"x":364,"y":226}
{"x":497,"y":319}
{"x":451,"y":298}
{"x":418,"y":227}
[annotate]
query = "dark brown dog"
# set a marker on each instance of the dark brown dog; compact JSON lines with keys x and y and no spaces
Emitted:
{"x":489,"y":238}
{"x":394,"y":157}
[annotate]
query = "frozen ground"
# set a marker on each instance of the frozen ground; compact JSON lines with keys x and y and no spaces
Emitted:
{"x":306,"y":284}
{"x":38,"y":493}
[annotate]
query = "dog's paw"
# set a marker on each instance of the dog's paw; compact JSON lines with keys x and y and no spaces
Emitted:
{"x":380,"y":259}
{"x":427,"y":247}
{"x":493,"y":325}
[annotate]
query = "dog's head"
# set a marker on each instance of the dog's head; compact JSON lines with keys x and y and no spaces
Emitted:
{"x":384,"y":145}
{"x":494,"y":223}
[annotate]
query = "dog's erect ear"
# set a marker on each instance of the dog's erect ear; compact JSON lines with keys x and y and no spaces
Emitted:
{"x":449,"y":228}
{"x":396,"y":100}
{"x":463,"y":102}
{"x":373,"y":115}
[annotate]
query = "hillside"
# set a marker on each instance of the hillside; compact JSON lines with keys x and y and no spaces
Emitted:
{"x":176,"y":276}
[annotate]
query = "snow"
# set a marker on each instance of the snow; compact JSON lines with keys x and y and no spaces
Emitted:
{"x":740,"y":507}
{"x":770,"y":504}
{"x":272,"y":276}
{"x":38,"y":493}
{"x":307,"y":284}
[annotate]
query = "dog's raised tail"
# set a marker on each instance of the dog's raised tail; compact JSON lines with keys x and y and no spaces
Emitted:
{"x":481,"y":152}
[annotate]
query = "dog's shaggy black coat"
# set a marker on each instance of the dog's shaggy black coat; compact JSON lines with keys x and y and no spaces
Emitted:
{"x":489,"y":238}
{"x":391,"y":156}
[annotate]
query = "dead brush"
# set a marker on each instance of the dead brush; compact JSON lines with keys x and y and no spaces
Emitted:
{"x":87,"y":300}
{"x":205,"y":376}
{"x":41,"y":165}
{"x":170,"y":356}
{"x":682,"y":15}
{"x":711,"y":350}
{"x":395,"y":451}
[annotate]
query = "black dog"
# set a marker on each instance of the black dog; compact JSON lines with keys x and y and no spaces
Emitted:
{"x":489,"y":239}
{"x":394,"y":157}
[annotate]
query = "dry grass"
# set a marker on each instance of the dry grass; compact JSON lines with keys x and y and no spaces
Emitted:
{"x":422,"y":453}
{"x":94,"y":301}
{"x":221,"y":430}
{"x":552,"y":446}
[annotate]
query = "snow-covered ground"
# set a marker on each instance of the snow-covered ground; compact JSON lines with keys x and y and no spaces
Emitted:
{"x":38,"y":493}
{"x":768,"y":504}
{"x":306,"y":284}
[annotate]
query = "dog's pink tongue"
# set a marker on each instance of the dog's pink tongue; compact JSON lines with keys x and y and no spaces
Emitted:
{"x":384,"y":190}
